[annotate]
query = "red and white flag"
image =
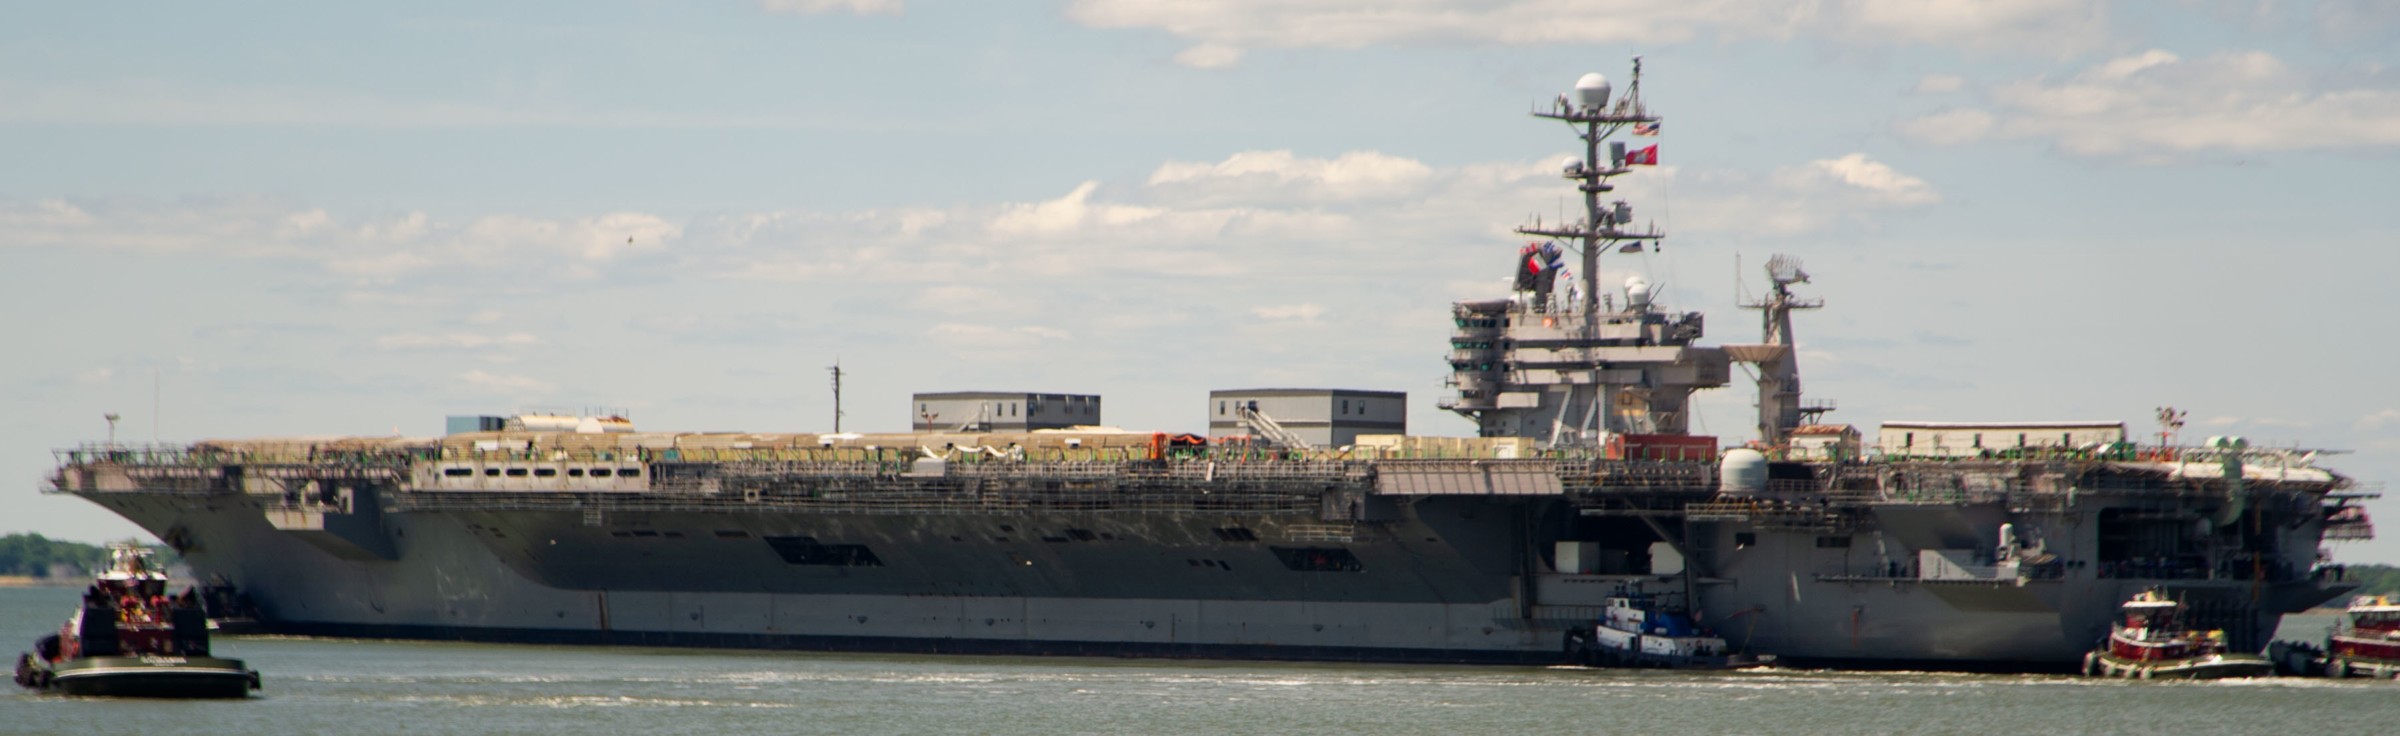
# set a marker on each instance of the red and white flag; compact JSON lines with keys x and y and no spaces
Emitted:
{"x":1644,"y":156}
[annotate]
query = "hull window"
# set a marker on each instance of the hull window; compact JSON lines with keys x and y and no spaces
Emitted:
{"x":806,"y":551}
{"x":1318,"y":559}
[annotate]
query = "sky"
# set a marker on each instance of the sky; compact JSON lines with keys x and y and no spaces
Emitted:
{"x":240,"y":219}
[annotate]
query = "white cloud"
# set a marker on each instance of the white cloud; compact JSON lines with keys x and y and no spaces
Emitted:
{"x":453,"y":341}
{"x":2356,"y":21}
{"x":1817,"y":196}
{"x":1940,"y":84}
{"x":1273,"y":23}
{"x":180,"y":102}
{"x":1064,"y":214}
{"x":2042,"y":26}
{"x":1209,"y":56}
{"x":389,"y":299}
{"x":370,"y":247}
{"x":1949,"y":127}
{"x":1304,"y":312}
{"x":994,"y":336}
{"x":2379,"y":420}
{"x":820,"y":7}
{"x":1136,"y":235}
{"x":2156,"y":104}
{"x":2127,"y":66}
{"x":2058,"y":27}
{"x":1880,"y":181}
{"x":2227,"y":422}
{"x":497,"y":383}
{"x":1189,"y":237}
{"x":1280,"y":176}
{"x":42,"y":215}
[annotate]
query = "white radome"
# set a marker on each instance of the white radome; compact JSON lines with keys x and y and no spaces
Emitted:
{"x":1592,"y":90}
{"x":1742,"y":470}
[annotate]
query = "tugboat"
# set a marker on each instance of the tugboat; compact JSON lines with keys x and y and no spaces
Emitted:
{"x":2367,"y":642}
{"x":1635,"y":631}
{"x":131,"y":639}
{"x":2147,"y":644}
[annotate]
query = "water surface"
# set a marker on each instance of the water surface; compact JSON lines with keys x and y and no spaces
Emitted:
{"x":351,"y":686}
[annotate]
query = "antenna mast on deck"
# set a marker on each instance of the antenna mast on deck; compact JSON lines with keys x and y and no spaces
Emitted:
{"x":1595,"y":119}
{"x":836,"y":369}
{"x":1779,"y":407}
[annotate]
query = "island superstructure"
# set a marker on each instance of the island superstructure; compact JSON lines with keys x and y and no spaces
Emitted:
{"x":1569,"y":372}
{"x":974,"y":536}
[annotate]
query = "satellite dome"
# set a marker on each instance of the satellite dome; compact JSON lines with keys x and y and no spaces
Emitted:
{"x":1637,"y":292}
{"x":1742,"y":471}
{"x":1592,"y":90}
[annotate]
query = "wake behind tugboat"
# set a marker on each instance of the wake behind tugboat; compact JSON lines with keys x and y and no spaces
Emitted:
{"x":131,"y":639}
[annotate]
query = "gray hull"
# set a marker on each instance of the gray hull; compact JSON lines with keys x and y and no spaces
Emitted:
{"x":1445,"y":579}
{"x":1137,"y":598}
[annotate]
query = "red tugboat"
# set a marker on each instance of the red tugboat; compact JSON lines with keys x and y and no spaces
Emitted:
{"x":2367,"y":644}
{"x":132,"y":639}
{"x":2149,"y":644}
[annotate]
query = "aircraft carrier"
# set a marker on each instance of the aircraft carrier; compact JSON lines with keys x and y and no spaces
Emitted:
{"x":1941,"y":546}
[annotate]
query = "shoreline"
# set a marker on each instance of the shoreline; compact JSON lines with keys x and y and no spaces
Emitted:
{"x":28,"y":581}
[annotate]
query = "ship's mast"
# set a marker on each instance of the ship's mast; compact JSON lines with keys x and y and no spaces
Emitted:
{"x":1779,"y":407}
{"x":1581,"y":375}
{"x":836,"y":370}
{"x":1594,"y":120}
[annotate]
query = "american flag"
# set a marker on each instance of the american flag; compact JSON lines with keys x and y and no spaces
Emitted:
{"x":1645,"y":128}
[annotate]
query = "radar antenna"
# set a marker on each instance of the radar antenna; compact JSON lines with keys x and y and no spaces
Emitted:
{"x":2170,"y":422}
{"x":1594,"y":118}
{"x":1784,"y":271}
{"x":1779,"y":407}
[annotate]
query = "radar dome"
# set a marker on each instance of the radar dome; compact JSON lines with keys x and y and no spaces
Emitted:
{"x":1742,"y":471}
{"x":1592,"y":90}
{"x":1637,"y":292}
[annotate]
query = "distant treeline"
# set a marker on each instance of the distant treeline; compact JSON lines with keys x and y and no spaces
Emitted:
{"x":2373,"y":580}
{"x":38,"y":556}
{"x":35,"y":555}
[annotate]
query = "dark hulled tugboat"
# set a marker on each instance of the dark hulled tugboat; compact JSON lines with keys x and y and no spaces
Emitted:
{"x":1637,"y":631}
{"x":131,"y":639}
{"x":2148,"y":644}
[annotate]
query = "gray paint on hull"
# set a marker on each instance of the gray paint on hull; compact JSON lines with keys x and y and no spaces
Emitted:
{"x":445,"y":579}
{"x":1449,"y":591}
{"x":1035,"y":556}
